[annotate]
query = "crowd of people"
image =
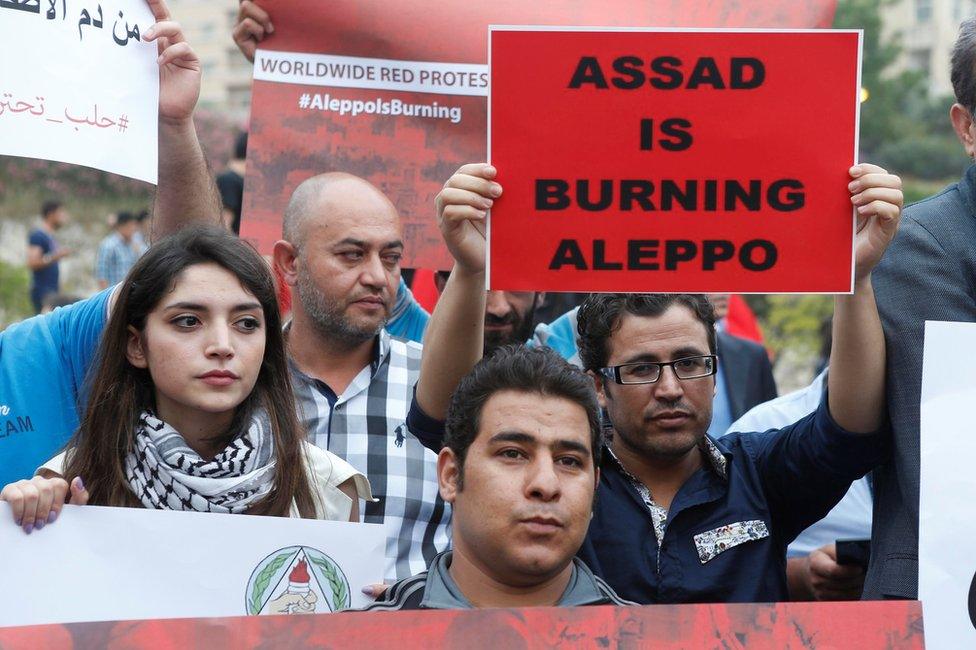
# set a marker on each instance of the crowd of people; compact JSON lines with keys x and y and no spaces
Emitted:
{"x":629,"y":450}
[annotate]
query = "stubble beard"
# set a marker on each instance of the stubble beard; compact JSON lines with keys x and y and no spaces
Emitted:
{"x":329,"y":319}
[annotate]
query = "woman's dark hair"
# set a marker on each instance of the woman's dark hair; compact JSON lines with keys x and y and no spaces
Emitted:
{"x":517,"y":368}
{"x":600,"y":314}
{"x":119,"y":391}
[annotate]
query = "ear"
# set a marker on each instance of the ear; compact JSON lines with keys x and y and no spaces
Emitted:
{"x":285,"y":259}
{"x":134,"y":350}
{"x":448,"y":473}
{"x":600,"y":387}
{"x":962,"y":124}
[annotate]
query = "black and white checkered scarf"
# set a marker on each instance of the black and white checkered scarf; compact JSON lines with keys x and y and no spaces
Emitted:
{"x":165,"y":474}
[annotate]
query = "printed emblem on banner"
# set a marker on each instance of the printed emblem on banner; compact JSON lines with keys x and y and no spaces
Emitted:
{"x":297,"y":580}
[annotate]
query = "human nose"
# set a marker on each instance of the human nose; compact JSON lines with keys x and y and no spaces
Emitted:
{"x":497,"y":305}
{"x":543,"y":482}
{"x":668,"y":386}
{"x":219,"y":343}
{"x":373,"y":272}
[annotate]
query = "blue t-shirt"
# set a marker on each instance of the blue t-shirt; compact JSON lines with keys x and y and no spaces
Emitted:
{"x":408,"y":320}
{"x":43,"y":363}
{"x":44,"y":281}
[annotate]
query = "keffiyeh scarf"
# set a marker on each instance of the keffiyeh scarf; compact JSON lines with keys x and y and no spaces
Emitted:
{"x":165,"y":474}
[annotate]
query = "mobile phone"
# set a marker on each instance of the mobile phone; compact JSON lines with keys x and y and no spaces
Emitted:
{"x":854,"y":551}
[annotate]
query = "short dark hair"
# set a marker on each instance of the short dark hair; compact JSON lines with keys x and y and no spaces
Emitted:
{"x":600,"y":314}
{"x":963,"y":72}
{"x":518,"y":368}
{"x":50,"y":207}
{"x":125,"y":217}
{"x":240,"y":146}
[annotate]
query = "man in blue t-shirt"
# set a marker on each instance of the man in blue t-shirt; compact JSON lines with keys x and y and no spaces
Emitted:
{"x":44,"y":360}
{"x":44,"y":254}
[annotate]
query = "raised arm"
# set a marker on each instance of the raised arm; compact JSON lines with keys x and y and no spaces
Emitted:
{"x":857,"y":360}
{"x":186,"y":192}
{"x":253,"y":24}
{"x":454,"y":340}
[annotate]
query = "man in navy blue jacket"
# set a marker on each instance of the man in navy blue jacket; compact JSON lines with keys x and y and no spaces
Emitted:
{"x":680,"y":517}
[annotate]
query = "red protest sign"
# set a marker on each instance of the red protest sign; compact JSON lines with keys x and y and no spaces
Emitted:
{"x":686,"y":160}
{"x":395,"y":91}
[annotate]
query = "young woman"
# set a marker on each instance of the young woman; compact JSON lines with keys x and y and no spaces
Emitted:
{"x":190,"y":407}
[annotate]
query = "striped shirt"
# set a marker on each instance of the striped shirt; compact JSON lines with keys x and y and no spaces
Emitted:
{"x":366,"y":427}
{"x":114,"y":259}
{"x":436,"y":589}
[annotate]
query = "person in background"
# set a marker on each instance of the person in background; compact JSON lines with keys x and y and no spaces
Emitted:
{"x":117,"y":252}
{"x":44,"y":254}
{"x":230,"y":183}
{"x":744,"y":377}
{"x":140,"y":240}
{"x":929,"y":274}
{"x":812,"y":569}
{"x":509,"y":315}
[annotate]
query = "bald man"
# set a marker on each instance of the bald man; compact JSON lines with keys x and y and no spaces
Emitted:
{"x":354,"y":382}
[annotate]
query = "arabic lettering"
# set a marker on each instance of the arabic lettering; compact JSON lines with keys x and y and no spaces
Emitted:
{"x":51,"y":13}
{"x":86,"y":19}
{"x":128,"y":34}
{"x":37,"y":109}
{"x":93,"y":18}
{"x":33,"y":6}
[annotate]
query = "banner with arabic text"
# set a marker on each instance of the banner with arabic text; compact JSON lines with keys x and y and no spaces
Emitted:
{"x":79,"y":85}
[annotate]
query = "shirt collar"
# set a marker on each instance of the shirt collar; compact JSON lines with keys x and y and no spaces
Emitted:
{"x":381,"y":348}
{"x":441,"y":592}
{"x":717,"y":461}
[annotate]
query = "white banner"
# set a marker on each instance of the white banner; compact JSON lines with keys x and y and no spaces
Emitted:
{"x":79,"y":85}
{"x":371,"y":74}
{"x":947,"y":499}
{"x":97,"y":564}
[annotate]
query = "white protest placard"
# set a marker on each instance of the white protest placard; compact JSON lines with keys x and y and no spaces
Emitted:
{"x":96,"y":564}
{"x":79,"y":85}
{"x":947,"y":499}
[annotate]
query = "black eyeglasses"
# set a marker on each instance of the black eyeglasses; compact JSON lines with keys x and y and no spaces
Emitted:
{"x":648,"y":372}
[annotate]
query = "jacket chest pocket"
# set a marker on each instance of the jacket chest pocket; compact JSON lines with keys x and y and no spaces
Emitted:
{"x":716,"y":541}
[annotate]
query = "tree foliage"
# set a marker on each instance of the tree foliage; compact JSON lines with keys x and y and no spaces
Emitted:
{"x":901,"y":127}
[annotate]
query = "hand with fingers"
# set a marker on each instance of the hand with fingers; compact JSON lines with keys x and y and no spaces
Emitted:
{"x":878,"y":199}
{"x":832,"y":581}
{"x":38,"y":502}
{"x":462,"y":208}
{"x":253,"y":24}
{"x":179,"y":66}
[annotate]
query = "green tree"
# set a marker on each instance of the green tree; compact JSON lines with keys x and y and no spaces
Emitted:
{"x":901,"y":127}
{"x":15,"y":301}
{"x":883,"y":116}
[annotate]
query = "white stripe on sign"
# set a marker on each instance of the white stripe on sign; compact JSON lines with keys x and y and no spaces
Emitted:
{"x":372,"y":74}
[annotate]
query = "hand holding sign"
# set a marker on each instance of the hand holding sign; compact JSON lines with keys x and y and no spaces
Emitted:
{"x":462,"y":207}
{"x":39,"y":500}
{"x":878,"y":198}
{"x":179,"y":66}
{"x":253,"y":24}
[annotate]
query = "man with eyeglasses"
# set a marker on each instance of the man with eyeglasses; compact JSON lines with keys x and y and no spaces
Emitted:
{"x":682,"y":517}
